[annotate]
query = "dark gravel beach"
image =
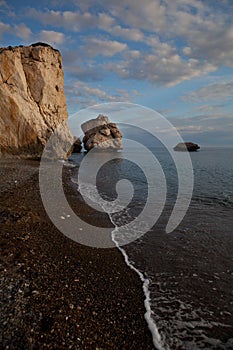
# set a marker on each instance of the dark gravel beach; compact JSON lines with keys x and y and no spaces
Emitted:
{"x":55,"y":293}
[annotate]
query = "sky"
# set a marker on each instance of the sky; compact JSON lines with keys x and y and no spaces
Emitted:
{"x":174,"y":56}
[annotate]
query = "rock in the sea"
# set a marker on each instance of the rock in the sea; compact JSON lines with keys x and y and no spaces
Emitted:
{"x":32,"y":101}
{"x":77,"y":146}
{"x":102,"y":134}
{"x":186,"y":146}
{"x":93,"y":123}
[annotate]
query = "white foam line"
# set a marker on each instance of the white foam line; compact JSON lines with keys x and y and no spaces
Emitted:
{"x":157,"y":341}
{"x":151,"y":324}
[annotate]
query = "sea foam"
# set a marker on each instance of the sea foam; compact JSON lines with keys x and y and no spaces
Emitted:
{"x":107,"y":207}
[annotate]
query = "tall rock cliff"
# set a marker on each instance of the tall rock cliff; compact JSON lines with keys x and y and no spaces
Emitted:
{"x":32,"y":100}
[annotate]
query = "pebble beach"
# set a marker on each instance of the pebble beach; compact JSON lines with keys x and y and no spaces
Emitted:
{"x":55,"y":293}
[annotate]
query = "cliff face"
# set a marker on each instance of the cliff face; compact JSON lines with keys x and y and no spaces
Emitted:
{"x":102,"y":134}
{"x":32,"y":100}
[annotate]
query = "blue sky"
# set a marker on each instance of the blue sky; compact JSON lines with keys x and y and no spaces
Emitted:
{"x":174,"y":56}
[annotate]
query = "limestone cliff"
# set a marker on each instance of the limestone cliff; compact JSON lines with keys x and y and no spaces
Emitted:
{"x":102,"y":134}
{"x":32,"y":100}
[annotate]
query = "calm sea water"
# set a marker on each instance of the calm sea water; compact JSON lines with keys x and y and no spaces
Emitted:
{"x":190,"y":271}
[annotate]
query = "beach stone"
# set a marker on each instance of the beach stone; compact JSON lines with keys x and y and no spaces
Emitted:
{"x":101,"y":133}
{"x":32,"y":101}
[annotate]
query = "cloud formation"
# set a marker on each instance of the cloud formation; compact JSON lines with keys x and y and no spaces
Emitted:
{"x":52,"y":37}
{"x":204,"y":32}
{"x":219,"y":91}
{"x":112,"y":47}
{"x":94,"y":47}
{"x":4,"y":28}
{"x":85,"y":95}
{"x":22,"y":31}
{"x":205,"y":129}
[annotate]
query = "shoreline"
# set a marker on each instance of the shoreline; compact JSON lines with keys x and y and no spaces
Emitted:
{"x":58,"y":294}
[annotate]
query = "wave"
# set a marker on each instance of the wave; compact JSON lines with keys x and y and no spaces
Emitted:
{"x":107,"y":208}
{"x":157,"y":341}
{"x":226,"y":201}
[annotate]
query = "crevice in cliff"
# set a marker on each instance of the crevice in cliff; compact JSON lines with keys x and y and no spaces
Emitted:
{"x":1,"y":78}
{"x":5,"y":81}
{"x":30,"y":91}
{"x":44,"y":117}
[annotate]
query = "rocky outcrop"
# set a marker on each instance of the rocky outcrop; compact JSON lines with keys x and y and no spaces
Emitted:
{"x":77,"y":146}
{"x":32,"y":101}
{"x":187,"y":146}
{"x":93,"y":123}
{"x":102,"y":134}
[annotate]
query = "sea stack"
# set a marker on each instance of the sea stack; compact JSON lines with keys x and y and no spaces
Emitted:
{"x":101,"y":134}
{"x":186,"y":146}
{"x":77,"y":146}
{"x":32,"y":101}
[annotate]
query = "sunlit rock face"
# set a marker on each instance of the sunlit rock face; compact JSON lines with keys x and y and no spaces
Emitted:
{"x":32,"y":101}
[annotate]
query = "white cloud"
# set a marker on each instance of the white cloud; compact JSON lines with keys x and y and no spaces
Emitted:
{"x":6,"y":9}
{"x":3,"y":3}
{"x":22,"y":31}
{"x":105,"y":21}
{"x":132,"y":54}
{"x":148,"y":15}
{"x":208,"y":109}
{"x":94,"y":47}
{"x":127,"y":33}
{"x":71,"y":20}
{"x":52,"y":37}
{"x":76,"y":21}
{"x":187,"y":50}
{"x":192,"y":128}
{"x":211,"y":129}
{"x":84,"y":94}
{"x":4,"y":28}
{"x":203,"y":26}
{"x":163,"y":42}
{"x":213,"y":44}
{"x":214,"y":92}
{"x":87,"y":73}
{"x":163,"y":66}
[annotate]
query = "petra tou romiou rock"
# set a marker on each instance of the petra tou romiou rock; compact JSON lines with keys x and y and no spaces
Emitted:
{"x":32,"y":101}
{"x":101,"y":134}
{"x":186,"y":146}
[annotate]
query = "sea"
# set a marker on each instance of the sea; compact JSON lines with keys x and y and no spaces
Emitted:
{"x":187,"y":274}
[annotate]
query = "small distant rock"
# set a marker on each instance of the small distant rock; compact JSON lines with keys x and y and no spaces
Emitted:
{"x":101,"y":133}
{"x":186,"y":146}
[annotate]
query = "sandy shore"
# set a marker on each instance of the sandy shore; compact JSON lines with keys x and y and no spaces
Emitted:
{"x":57,"y":294}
